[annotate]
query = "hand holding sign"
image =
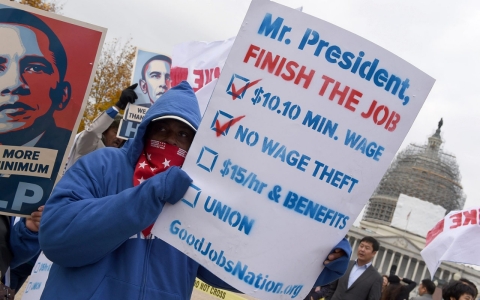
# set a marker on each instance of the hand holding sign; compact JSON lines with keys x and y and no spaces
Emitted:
{"x":128,"y":96}
{"x":33,"y":222}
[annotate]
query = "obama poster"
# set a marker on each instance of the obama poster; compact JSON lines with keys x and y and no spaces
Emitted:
{"x":47,"y":64}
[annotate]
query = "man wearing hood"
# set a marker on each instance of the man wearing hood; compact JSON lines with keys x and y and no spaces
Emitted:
{"x":96,"y":224}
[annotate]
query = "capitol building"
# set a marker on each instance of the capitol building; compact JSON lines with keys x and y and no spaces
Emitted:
{"x":420,"y":187}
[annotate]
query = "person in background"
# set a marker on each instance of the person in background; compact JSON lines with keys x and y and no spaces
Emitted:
{"x":18,"y":244}
{"x":321,"y":292}
{"x":103,"y":131}
{"x":397,"y":291}
{"x":425,"y":290}
{"x":466,"y":281}
{"x":385,"y":282}
{"x":458,"y":290}
{"x":361,"y":281}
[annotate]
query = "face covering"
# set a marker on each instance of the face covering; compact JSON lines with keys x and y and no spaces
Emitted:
{"x":156,"y":158}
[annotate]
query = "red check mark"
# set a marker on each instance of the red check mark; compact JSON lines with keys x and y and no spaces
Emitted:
{"x":220,"y":129}
{"x":237,"y":93}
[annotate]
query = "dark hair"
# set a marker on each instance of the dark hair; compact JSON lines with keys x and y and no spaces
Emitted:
{"x":391,"y":291}
{"x":455,"y":289}
{"x":373,"y":241}
{"x":429,"y":286}
{"x":156,"y":57}
{"x":393,"y":279}
{"x":20,"y":17}
{"x":116,"y":122}
{"x":466,"y":281}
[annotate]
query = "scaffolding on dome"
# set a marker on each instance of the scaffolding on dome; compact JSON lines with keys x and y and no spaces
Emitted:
{"x":424,"y":172}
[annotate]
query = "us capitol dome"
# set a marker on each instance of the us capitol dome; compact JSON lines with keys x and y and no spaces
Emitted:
{"x":424,"y":172}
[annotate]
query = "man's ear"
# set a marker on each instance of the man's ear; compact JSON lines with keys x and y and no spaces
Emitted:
{"x":143,"y":86}
{"x":61,"y":95}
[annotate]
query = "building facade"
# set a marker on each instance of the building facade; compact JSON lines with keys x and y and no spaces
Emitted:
{"x":426,"y":173}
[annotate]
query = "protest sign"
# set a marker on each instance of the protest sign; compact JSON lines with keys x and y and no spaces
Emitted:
{"x":38,"y":278}
{"x":46,"y":68}
{"x":303,"y":123}
{"x":151,"y":71}
{"x":454,"y":239}
{"x":199,"y":62}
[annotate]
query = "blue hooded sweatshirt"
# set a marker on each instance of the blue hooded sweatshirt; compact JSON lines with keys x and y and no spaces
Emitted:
{"x":91,"y":225}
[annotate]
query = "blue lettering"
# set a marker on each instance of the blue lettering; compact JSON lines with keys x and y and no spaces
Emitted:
{"x":268,"y":146}
{"x":241,"y":271}
{"x":229,"y":266}
{"x":268,"y":27}
{"x":173,"y":227}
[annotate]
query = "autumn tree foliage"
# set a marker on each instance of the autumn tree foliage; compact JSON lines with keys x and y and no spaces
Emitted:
{"x":51,"y":6}
{"x":113,"y":74}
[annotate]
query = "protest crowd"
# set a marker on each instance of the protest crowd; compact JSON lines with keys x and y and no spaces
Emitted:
{"x":362,"y":281}
{"x":113,"y":189}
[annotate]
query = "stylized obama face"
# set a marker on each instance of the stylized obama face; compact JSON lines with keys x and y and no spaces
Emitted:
{"x":30,"y":83}
{"x":156,"y":77}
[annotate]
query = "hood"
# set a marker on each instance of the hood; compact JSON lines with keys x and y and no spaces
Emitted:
{"x":179,"y":101}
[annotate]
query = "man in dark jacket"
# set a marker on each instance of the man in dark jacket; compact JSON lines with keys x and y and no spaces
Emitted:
{"x":361,"y":281}
{"x":425,"y":290}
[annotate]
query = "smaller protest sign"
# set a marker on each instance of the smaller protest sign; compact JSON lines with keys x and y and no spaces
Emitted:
{"x":41,"y":111}
{"x":455,"y":238}
{"x":151,"y":71}
{"x":135,"y":113}
{"x":38,"y":278}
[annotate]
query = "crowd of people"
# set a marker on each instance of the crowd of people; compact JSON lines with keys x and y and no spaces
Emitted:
{"x":363,"y":282}
{"x":96,"y":224}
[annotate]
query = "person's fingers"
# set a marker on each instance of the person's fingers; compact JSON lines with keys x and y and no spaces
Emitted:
{"x":334,"y":256}
{"x":36,"y":214}
{"x":133,"y":86}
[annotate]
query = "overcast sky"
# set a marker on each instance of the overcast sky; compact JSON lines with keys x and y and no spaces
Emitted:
{"x":440,"y":37}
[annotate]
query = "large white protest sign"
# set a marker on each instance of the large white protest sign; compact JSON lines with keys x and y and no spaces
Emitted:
{"x":303,"y":122}
{"x":455,"y":238}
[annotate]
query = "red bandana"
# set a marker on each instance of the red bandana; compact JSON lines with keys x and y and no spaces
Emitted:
{"x":156,"y":158}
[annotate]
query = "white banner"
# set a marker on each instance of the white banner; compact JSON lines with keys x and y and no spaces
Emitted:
{"x":199,"y":62}
{"x":303,"y":123}
{"x":455,"y":239}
